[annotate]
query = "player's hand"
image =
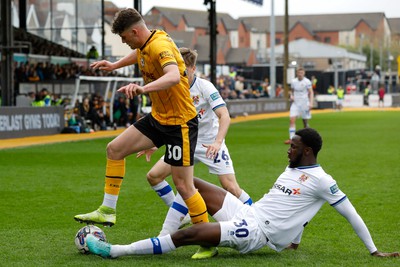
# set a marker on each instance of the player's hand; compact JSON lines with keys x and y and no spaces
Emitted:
{"x":147,"y":152}
{"x":385,"y":254}
{"x":131,"y":90}
{"x":212,"y":150}
{"x":102,"y":65}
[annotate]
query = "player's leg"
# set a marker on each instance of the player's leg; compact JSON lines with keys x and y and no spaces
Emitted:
{"x":213,"y":196}
{"x":222,"y":166}
{"x":229,"y":183}
{"x":183,"y":180}
{"x":294,"y":112}
{"x":128,"y":142}
{"x":206,"y":234}
{"x":156,"y":178}
{"x":306,"y":115}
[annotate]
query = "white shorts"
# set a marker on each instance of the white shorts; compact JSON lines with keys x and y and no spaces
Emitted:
{"x":300,"y":110}
{"x":222,"y":164}
{"x":241,"y":231}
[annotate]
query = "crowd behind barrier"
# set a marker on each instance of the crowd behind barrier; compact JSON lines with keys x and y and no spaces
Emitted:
{"x":92,"y":112}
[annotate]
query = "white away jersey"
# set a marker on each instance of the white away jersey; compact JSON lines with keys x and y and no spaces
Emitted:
{"x":293,"y":201}
{"x":300,"y":89}
{"x":206,"y":99}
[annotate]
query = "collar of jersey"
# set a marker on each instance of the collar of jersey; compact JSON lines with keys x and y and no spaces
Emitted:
{"x":308,"y":167}
{"x":151,"y":35}
{"x":194,"y":80}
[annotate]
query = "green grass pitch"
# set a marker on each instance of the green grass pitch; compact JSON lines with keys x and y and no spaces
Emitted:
{"x":43,"y":187}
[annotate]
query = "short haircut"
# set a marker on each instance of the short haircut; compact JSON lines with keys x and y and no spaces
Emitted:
{"x":301,"y":68}
{"x":124,"y":19}
{"x":311,"y":138}
{"x":189,"y":56}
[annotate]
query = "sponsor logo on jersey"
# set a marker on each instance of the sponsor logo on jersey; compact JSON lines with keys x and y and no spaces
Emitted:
{"x":201,"y":113}
{"x":165,"y":54}
{"x":148,"y":77}
{"x":303,"y":178}
{"x":334,"y":188}
{"x":288,"y":191}
{"x":215,"y":96}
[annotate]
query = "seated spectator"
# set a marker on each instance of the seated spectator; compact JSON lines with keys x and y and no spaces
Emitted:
{"x":87,"y":112}
{"x":279,"y":91}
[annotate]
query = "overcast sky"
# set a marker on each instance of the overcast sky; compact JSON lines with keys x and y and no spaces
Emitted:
{"x":240,"y":8}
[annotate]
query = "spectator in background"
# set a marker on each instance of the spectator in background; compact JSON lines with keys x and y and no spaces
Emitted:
{"x":367,"y":92}
{"x":381,"y":93}
{"x":239,"y":86}
{"x":314,"y":82}
{"x":265,"y":88}
{"x":331,"y":90}
{"x":92,"y":53}
{"x":279,"y":91}
{"x":87,"y":112}
{"x":121,"y":111}
{"x":340,"y":97}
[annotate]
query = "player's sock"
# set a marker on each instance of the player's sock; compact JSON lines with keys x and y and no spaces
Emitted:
{"x":245,"y":198}
{"x":110,"y":200}
{"x":155,"y":245}
{"x":292,"y":131}
{"x":176,"y":213}
{"x":197,"y":208}
{"x":115,"y":172}
{"x":165,"y":192}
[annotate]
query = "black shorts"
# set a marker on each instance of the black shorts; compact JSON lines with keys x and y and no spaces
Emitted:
{"x":179,"y":140}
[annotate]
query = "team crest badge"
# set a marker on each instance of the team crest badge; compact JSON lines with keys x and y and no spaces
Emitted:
{"x":142,"y":62}
{"x":196,"y":99}
{"x":303,"y":178}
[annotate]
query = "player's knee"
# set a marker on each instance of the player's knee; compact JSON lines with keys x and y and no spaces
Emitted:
{"x":153,"y":179}
{"x":232,"y":188}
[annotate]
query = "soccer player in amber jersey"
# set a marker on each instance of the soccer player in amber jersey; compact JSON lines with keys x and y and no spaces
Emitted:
{"x":172,"y":121}
{"x":211,"y":150}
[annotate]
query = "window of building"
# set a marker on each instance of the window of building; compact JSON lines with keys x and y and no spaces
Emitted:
{"x":327,"y":40}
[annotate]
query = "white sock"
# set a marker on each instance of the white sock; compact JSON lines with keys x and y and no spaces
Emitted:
{"x":245,"y":198}
{"x":176,"y":213}
{"x":110,"y":201}
{"x":165,"y":192}
{"x":292,"y":131}
{"x":155,"y":245}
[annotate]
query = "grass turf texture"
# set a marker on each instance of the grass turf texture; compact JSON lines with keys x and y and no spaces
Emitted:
{"x":43,"y":187}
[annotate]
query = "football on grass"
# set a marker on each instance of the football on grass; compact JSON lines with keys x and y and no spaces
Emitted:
{"x":80,"y":237}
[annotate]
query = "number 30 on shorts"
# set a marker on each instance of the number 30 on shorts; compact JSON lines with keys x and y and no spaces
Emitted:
{"x":241,"y":231}
{"x":174,"y":152}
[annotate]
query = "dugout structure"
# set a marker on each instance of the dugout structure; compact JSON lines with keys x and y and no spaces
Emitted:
{"x":104,"y":86}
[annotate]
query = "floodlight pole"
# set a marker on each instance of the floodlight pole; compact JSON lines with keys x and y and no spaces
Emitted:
{"x":137,"y":4}
{"x":212,"y":19}
{"x":272,"y":61}
{"x":286,"y":51}
{"x":7,"y":42}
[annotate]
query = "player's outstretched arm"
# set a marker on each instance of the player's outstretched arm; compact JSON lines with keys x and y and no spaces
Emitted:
{"x":385,"y":254}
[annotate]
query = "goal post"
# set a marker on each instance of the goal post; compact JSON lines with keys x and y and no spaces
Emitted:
{"x":108,"y":86}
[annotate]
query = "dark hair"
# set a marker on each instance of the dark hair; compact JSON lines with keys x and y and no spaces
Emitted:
{"x":310,"y":138}
{"x":124,"y":19}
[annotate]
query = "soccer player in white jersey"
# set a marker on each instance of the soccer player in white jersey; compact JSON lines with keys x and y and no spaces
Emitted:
{"x":276,"y":220}
{"x":302,"y":98}
{"x":211,"y":149}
